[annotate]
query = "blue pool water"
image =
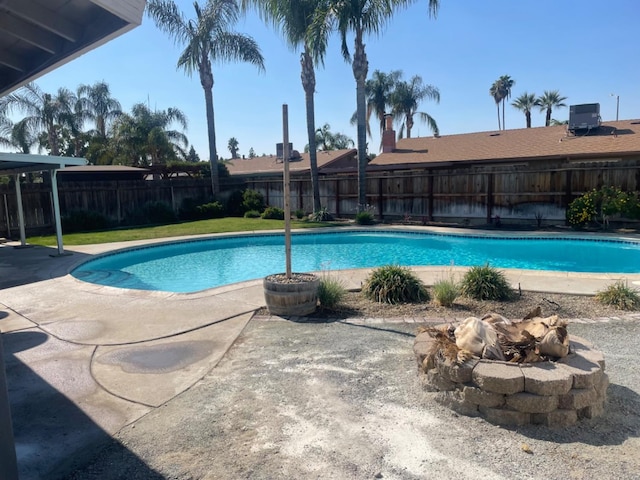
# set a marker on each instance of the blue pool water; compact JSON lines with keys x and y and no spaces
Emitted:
{"x":198,"y":265}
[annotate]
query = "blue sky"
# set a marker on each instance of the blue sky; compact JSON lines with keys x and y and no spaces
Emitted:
{"x":585,"y":49}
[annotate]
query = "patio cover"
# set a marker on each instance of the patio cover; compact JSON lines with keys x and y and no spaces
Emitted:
{"x":15,"y":164}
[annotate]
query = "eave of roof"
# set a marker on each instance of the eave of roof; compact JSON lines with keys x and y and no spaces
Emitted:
{"x":37,"y":37}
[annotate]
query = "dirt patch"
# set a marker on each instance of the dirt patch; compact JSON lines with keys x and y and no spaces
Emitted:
{"x":356,"y":305}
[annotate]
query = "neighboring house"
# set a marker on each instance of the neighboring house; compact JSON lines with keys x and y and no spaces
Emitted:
{"x":271,"y":167}
{"x":520,"y":174}
{"x":265,"y":175}
{"x":101,"y":173}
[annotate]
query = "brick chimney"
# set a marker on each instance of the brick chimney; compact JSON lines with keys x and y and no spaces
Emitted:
{"x":389,"y":135}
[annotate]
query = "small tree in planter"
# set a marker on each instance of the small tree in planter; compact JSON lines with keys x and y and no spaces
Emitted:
{"x":290,"y":294}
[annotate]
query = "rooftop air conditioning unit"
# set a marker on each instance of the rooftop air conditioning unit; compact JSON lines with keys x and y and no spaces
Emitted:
{"x":584,"y":117}
{"x":280,"y":151}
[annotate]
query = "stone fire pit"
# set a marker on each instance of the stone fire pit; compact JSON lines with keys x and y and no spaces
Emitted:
{"x":552,"y":393}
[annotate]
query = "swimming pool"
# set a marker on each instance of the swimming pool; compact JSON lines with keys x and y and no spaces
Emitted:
{"x":191,"y":266}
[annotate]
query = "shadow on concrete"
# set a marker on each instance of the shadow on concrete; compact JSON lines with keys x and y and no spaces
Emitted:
{"x":53,"y":437}
{"x":21,"y":266}
{"x":619,"y":422}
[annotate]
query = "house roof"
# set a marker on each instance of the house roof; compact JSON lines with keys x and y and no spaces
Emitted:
{"x":270,"y":164}
{"x":36,"y":36}
{"x":612,"y":139}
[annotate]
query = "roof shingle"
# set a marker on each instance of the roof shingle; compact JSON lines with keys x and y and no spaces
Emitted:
{"x":270,"y":165}
{"x":611,"y":139}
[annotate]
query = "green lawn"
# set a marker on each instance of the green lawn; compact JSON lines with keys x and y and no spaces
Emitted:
{"x":218,"y":225}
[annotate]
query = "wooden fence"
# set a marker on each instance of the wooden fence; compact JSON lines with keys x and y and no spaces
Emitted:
{"x":474,"y":194}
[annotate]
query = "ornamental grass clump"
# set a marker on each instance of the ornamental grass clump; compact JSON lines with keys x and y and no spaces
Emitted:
{"x":446,"y":291}
{"x":331,"y":292}
{"x":394,"y":284}
{"x":619,"y":295}
{"x":486,"y":283}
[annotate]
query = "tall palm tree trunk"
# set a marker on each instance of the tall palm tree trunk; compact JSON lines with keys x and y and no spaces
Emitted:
{"x":206,"y":80}
{"x":527,"y":114}
{"x":498,"y":108}
{"x":308,"y":78}
{"x":504,"y":120}
{"x":360,"y":68}
{"x":548,"y":119}
{"x":409,"y":124}
{"x":53,"y":140}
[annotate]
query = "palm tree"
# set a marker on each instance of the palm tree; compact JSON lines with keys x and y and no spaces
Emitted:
{"x":377,"y":91}
{"x":555,"y":123}
{"x":496,"y":92}
{"x":525,"y":103}
{"x":45,"y":113}
{"x":233,"y":147}
{"x":294,"y":18}
{"x":99,"y":105}
{"x":5,"y":127}
{"x":359,"y":17}
{"x":405,"y":100}
{"x":145,"y":137}
{"x":206,"y":38}
{"x":548,"y":101}
{"x":506,"y":84}
{"x":327,"y":140}
{"x":22,"y":137}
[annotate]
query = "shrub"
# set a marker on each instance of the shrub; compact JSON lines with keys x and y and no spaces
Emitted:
{"x":273,"y":213}
{"x":158,"y":212}
{"x":394,"y":284}
{"x":252,"y":214}
{"x":299,"y":214}
{"x":331,"y":292}
{"x":364,"y":218}
{"x":486,"y":283}
{"x":210,"y":210}
{"x":619,"y":295}
{"x":445,"y":292}
{"x":188,"y":208}
{"x":599,"y":206}
{"x":252,"y":200}
{"x":234,"y":205}
{"x":83,"y":221}
{"x":321,"y":215}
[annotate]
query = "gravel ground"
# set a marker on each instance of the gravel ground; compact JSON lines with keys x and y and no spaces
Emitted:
{"x":565,"y":306}
{"x":343,"y":400}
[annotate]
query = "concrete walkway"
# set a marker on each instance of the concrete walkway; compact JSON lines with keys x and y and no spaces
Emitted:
{"x":83,"y":361}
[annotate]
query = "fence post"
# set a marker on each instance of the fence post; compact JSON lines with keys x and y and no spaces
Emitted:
{"x":6,"y":212}
{"x":118,"y":214}
{"x":568,"y":192}
{"x":337,"y":197}
{"x":489,"y":197}
{"x":430,"y":196}
{"x":380,"y":198}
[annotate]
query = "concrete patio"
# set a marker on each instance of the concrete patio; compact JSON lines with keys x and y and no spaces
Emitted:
{"x":84,"y":361}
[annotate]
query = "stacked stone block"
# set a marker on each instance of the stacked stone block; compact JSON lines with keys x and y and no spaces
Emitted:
{"x":554,"y":394}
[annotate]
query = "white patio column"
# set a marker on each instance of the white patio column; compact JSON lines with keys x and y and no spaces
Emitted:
{"x":56,"y":210}
{"x":23,"y":237}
